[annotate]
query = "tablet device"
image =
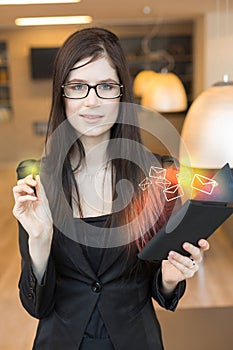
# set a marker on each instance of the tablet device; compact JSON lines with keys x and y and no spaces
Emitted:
{"x":223,"y":192}
{"x":193,"y":221}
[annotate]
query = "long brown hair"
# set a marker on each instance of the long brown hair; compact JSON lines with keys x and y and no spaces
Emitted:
{"x":130,"y":162}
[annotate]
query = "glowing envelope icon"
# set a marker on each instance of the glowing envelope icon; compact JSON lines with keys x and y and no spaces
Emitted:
{"x":145,"y":184}
{"x":173,"y":192}
{"x":203,"y":184}
{"x":157,"y":173}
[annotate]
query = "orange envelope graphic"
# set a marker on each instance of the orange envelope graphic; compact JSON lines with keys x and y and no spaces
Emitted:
{"x":173,"y":192}
{"x":145,"y":183}
{"x":203,"y":184}
{"x":157,"y":173}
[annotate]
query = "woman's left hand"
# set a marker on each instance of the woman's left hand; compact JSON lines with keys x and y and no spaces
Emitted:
{"x":178,"y":267}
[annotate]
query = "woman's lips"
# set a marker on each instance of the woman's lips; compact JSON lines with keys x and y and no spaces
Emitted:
{"x":91,"y":118}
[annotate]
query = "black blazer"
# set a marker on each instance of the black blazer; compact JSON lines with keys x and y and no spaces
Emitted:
{"x":71,"y":289}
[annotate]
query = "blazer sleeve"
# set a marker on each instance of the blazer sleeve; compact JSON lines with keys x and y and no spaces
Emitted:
{"x":37,"y":298}
{"x":168,"y":302}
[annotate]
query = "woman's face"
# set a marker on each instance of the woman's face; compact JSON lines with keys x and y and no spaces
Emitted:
{"x":92,"y":116}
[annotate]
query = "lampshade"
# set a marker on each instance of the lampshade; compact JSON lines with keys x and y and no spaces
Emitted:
{"x":165,"y":93}
{"x":141,"y":81}
{"x":208,"y":128}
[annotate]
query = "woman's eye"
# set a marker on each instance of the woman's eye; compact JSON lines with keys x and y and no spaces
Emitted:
{"x":106,"y":86}
{"x":78,"y":87}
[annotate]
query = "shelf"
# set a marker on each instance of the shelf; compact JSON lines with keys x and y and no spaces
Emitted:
{"x":5,"y":103}
{"x":178,"y":46}
{"x":143,"y":59}
{"x":5,"y":99}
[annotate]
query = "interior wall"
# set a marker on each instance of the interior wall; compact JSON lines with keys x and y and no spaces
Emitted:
{"x":199,"y":41}
{"x":218,"y":47}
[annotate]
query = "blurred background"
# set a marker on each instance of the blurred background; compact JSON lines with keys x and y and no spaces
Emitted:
{"x":193,"y":41}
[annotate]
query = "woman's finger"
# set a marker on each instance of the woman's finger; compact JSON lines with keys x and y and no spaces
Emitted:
{"x":204,"y":244}
{"x":187,"y":270}
{"x":21,"y":203}
{"x":26,"y":198}
{"x":27,"y":180}
{"x":181,"y":259}
{"x":194,"y":251}
{"x":22,"y":189}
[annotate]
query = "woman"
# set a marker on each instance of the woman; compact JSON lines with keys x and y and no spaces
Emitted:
{"x":80,"y":277}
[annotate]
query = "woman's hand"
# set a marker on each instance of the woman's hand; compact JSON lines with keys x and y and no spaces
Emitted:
{"x":31,"y":210}
{"x":178,"y":267}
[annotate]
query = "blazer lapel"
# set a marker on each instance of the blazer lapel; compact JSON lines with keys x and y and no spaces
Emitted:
{"x":81,"y":262}
{"x":100,"y":240}
{"x":74,"y":253}
{"x":110,"y":256}
{"x":117,"y":252}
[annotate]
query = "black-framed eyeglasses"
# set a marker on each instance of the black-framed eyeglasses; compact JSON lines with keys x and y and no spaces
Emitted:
{"x":102,"y":90}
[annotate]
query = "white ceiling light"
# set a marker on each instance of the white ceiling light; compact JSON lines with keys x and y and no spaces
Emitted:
{"x":43,"y":21}
{"x":30,"y":2}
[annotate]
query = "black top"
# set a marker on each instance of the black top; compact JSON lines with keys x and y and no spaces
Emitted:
{"x":96,"y":335}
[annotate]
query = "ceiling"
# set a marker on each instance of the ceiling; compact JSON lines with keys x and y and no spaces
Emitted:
{"x":116,"y":12}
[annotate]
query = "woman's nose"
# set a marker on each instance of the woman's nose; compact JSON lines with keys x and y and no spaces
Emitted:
{"x":92,"y":99}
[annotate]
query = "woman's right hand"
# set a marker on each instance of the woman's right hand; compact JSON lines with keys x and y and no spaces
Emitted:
{"x":31,"y":210}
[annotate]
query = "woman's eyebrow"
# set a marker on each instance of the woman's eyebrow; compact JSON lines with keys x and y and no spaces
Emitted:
{"x":82,"y":81}
{"x":77,"y":80}
{"x":109,"y":80}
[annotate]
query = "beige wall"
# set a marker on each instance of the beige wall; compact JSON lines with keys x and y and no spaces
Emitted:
{"x":199,"y":40}
{"x":218,"y":48}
